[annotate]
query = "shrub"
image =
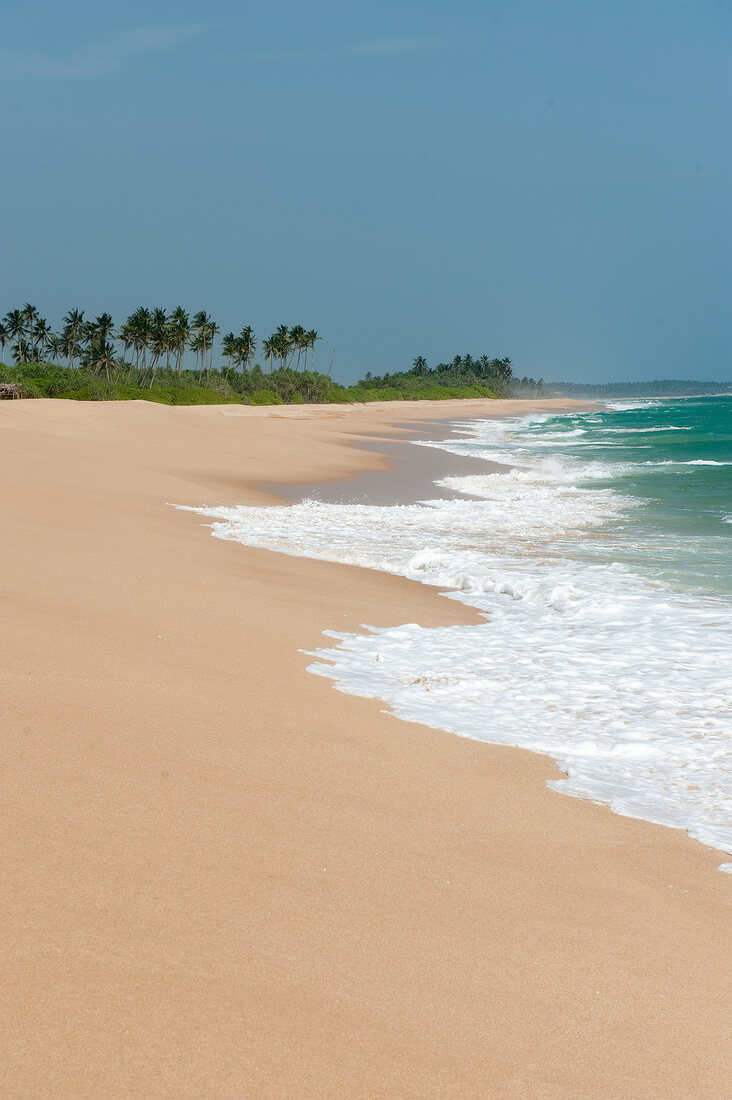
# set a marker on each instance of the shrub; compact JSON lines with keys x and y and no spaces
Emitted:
{"x":217,"y":383}
{"x":266,"y":397}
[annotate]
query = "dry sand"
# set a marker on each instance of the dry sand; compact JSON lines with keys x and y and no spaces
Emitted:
{"x":223,"y":878}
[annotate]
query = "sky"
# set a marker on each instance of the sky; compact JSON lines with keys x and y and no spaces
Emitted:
{"x":547,"y":181}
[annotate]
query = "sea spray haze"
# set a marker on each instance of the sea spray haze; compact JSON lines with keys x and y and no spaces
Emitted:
{"x":602,"y":561}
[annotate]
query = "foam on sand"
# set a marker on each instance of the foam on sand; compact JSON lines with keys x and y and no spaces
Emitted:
{"x":622,"y":680}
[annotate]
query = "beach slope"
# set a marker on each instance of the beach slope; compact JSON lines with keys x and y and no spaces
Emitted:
{"x":223,"y":878}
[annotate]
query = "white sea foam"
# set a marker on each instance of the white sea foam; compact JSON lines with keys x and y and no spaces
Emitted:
{"x":622,"y":680}
{"x":704,"y":462}
{"x":646,"y":431}
{"x":626,"y":406}
{"x":495,"y":441}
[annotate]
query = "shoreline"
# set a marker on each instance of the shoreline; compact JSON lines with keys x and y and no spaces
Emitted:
{"x":223,"y":877}
{"x":412,"y":470}
{"x":409,"y":476}
{"x":412,"y":478}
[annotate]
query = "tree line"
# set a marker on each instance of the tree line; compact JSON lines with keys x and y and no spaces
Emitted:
{"x":148,"y":352}
{"x":146,"y":338}
{"x":462,"y":371}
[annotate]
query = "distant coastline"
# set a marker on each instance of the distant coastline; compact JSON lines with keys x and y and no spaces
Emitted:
{"x":664,"y":388}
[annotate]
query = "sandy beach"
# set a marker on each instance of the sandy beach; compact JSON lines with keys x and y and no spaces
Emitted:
{"x":224,"y":878}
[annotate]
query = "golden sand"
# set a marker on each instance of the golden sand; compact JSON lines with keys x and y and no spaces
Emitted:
{"x":223,"y":878}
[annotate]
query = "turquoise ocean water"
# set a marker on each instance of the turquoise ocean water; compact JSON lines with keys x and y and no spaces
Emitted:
{"x":673,"y":459}
{"x":599,"y":555}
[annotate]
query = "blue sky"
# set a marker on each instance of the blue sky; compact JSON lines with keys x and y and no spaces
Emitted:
{"x":548,"y":181}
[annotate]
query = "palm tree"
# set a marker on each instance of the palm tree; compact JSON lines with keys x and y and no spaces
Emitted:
{"x":311,"y":337}
{"x":21,"y":350}
{"x":283,"y":343}
{"x":211,"y":331}
{"x":99,"y":351}
{"x":4,"y":338}
{"x":180,"y":331}
{"x":105,"y":356}
{"x":126,"y":336}
{"x":72,"y":331}
{"x":269,"y":347}
{"x":142,"y":328}
{"x":56,"y":347}
{"x":198,"y":347}
{"x":228,"y":347}
{"x":284,"y":348}
{"x":298,"y":341}
{"x":104,"y":327}
{"x":203,"y":332}
{"x":419,"y":366}
{"x":30,"y":316}
{"x":39,"y":338}
{"x":245,"y":347}
{"x":15,"y":327}
{"x":159,"y":344}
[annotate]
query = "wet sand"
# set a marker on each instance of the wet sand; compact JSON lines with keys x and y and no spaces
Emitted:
{"x":221,"y":877}
{"x":411,"y":475}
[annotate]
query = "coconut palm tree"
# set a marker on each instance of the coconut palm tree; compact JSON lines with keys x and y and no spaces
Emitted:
{"x":39,"y":338}
{"x":56,"y":347}
{"x":105,"y":357}
{"x":198,"y":346}
{"x":159,"y":344}
{"x":283,"y":344}
{"x":212,"y":330}
{"x":245,"y":347}
{"x":142,"y":328}
{"x":104,"y":327}
{"x":284,"y":350}
{"x":269,"y":347}
{"x":228,"y":347}
{"x":312,"y":337}
{"x":180,"y":332}
{"x":419,"y":366}
{"x":72,"y":331}
{"x":15,"y":328}
{"x":30,"y":316}
{"x":22,"y":351}
{"x":4,"y":338}
{"x":298,"y":342}
{"x":99,"y":351}
{"x":204,"y":330}
{"x":126,"y":337}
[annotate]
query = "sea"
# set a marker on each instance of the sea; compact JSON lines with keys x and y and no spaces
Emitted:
{"x":599,"y":554}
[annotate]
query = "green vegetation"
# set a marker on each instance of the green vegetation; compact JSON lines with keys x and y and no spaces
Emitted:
{"x":170,"y":387}
{"x":463,"y":373}
{"x":146,"y":358}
